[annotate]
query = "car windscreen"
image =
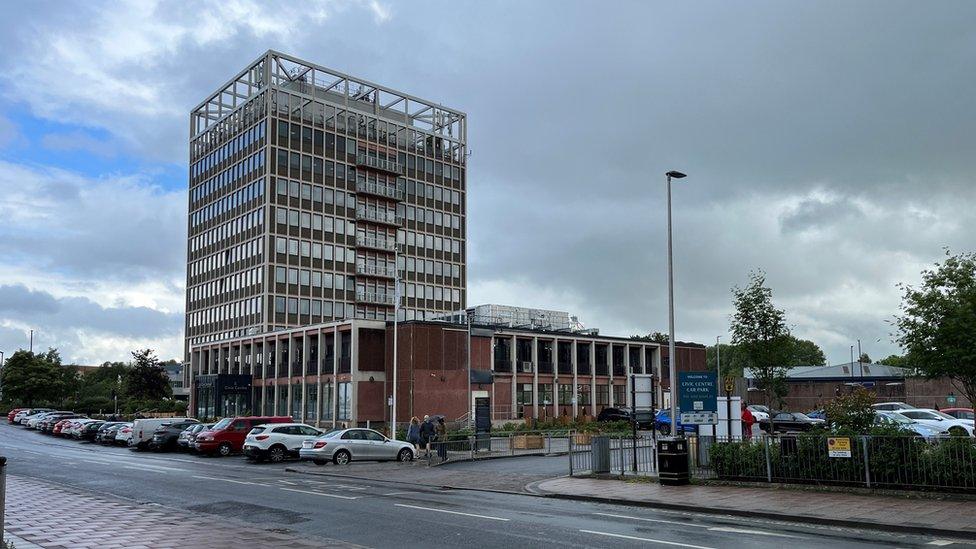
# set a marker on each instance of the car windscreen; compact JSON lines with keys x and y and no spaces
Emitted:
{"x":222,"y":424}
{"x":944,"y":415}
{"x":898,"y":418}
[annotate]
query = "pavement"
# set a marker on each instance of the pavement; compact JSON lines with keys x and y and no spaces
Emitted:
{"x":948,"y":517}
{"x":63,"y":493}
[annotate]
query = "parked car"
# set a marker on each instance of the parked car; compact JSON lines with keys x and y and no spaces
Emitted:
{"x":892,"y":406}
{"x":940,"y":421}
{"x":662,"y":422}
{"x":106,"y":434}
{"x":59,"y":426}
{"x":817,"y":414}
{"x":123,"y":434}
{"x":23,"y":415}
{"x":758,"y":411}
{"x":960,"y":413}
{"x":227,"y":435}
{"x":184,"y":442}
{"x":13,"y":413}
{"x":275,"y":442}
{"x":32,"y":420}
{"x":789,"y":422}
{"x":46,"y":425}
{"x":164,"y":437}
{"x":143,"y":429}
{"x":72,"y":427}
{"x":645,"y":420}
{"x":89,"y":430}
{"x":344,"y":445}
{"x":883,"y":417}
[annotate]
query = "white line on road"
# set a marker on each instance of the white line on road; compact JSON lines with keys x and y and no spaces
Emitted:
{"x":319,"y":493}
{"x":642,"y":519}
{"x":635,"y":538}
{"x":399,"y":493}
{"x":732,"y":530}
{"x":146,"y":470}
{"x":137,"y":465}
{"x":451,"y":512}
{"x":233,"y":481}
{"x":941,"y":542}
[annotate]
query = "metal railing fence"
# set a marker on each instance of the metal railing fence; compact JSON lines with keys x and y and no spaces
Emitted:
{"x":895,"y":462}
{"x":488,"y":445}
{"x":612,"y":454}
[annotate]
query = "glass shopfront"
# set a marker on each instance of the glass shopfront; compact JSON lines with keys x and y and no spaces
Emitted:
{"x":222,"y":395}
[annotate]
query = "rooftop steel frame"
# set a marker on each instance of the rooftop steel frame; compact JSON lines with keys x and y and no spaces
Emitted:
{"x":278,"y":70}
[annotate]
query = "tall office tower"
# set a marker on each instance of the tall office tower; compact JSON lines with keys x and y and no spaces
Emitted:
{"x":311,"y":192}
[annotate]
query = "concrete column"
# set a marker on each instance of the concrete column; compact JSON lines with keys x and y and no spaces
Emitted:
{"x":291,"y":371}
{"x":353,"y":370}
{"x":514,"y":376}
{"x":277,"y":362}
{"x":659,"y":397}
{"x":610,"y":372}
{"x":336,"y":349}
{"x":192,"y":400}
{"x":555,"y":377}
{"x":534,"y":358}
{"x":593,"y":378}
{"x":575,"y":400}
{"x":305,"y":350}
{"x":627,"y":375}
{"x":318,"y":378}
{"x":643,"y":359}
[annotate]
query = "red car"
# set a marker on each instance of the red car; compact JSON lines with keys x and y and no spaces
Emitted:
{"x":56,"y":430}
{"x":12,"y":413}
{"x":959,"y":413}
{"x":227,"y":435}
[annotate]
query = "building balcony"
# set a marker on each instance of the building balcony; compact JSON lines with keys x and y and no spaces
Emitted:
{"x":375,"y":163}
{"x":583,"y":368}
{"x":565,"y":368}
{"x":376,"y":298}
{"x":545,"y":367}
{"x":504,"y":365}
{"x":378,"y":216}
{"x":386,"y":191}
{"x":384,"y":244}
{"x":380,"y":271}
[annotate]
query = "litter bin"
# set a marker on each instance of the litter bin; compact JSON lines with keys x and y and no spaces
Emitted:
{"x":672,"y":461}
{"x":600,"y":452}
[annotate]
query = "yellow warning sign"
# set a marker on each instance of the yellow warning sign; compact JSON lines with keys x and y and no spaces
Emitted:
{"x":839,"y":447}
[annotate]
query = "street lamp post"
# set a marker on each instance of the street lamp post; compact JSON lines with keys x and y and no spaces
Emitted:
{"x":672,"y":359}
{"x":396,"y":318}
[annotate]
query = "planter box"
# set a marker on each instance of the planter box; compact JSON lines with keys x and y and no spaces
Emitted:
{"x":582,"y":439}
{"x":528,"y":442}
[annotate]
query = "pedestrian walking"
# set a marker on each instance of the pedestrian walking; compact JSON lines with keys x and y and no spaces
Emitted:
{"x":427,"y":433}
{"x":413,"y":433}
{"x":441,"y":430}
{"x":747,"y":421}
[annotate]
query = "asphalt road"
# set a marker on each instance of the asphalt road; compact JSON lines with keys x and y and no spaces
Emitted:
{"x":384,"y":514}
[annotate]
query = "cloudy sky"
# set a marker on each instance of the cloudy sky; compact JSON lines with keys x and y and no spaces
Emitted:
{"x":829,"y":143}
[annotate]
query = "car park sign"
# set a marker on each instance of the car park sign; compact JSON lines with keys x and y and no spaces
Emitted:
{"x":698,"y":398}
{"x":838,"y":447}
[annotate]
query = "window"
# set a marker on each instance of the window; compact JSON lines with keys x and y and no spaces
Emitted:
{"x":602,"y":395}
{"x":524,"y":394}
{"x":619,"y":395}
{"x":280,"y":275}
{"x":545,"y":393}
{"x":345,"y":401}
{"x":565,"y":394}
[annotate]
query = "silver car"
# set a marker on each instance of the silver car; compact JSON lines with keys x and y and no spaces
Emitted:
{"x":344,"y":445}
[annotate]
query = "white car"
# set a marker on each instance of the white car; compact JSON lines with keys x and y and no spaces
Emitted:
{"x":344,"y":445}
{"x":892,"y":406}
{"x":276,"y":441}
{"x":73,"y":429}
{"x":124,"y":434}
{"x":759,"y":412}
{"x":31,"y":421}
{"x":938,"y":420}
{"x":21,"y":417}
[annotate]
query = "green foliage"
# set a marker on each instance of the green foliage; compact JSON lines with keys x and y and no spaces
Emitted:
{"x":894,"y":360}
{"x":804,"y":352}
{"x":146,"y":379}
{"x":32,"y":379}
{"x":864,"y":358}
{"x":852,"y":412}
{"x":654,"y":337}
{"x":761,"y":337}
{"x":938,"y":320}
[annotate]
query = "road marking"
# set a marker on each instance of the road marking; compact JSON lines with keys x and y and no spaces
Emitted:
{"x":142,"y":469}
{"x":941,"y":542}
{"x":288,"y":482}
{"x":642,"y":519}
{"x":233,"y":481}
{"x":635,"y":538}
{"x":451,"y":512}
{"x":137,"y":465}
{"x":319,"y":493}
{"x":733,"y":530}
{"x":399,"y":493}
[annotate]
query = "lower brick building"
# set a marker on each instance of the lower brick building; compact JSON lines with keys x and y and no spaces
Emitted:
{"x":341,"y":373}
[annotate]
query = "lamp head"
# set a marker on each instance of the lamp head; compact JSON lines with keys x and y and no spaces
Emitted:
{"x":675,"y":174}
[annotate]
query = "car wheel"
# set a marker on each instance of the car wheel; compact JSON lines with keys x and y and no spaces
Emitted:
{"x":958,"y":431}
{"x":405,"y":455}
{"x":224,"y":449}
{"x":319,"y":462}
{"x":276,"y":454}
{"x":342,"y":457}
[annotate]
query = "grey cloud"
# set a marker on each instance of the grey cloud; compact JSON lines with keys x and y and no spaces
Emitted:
{"x":812,"y":213}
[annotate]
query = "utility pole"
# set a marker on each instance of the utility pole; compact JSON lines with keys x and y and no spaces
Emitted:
{"x":32,"y":342}
{"x":672,"y":359}
{"x":396,"y":317}
{"x":860,"y":365}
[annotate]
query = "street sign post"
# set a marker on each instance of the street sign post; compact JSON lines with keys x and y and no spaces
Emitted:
{"x":951,"y":399}
{"x":698,"y":397}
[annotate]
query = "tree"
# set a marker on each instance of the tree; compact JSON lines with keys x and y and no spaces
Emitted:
{"x":654,"y":337}
{"x":146,"y":379}
{"x":864,"y":358}
{"x":761,"y":337}
{"x":894,"y":360}
{"x":804,"y":352}
{"x":852,"y":412}
{"x":938,"y":322}
{"x":31,"y":379}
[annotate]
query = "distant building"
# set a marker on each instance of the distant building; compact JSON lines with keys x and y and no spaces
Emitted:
{"x":810,"y":387}
{"x":175,"y":372}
